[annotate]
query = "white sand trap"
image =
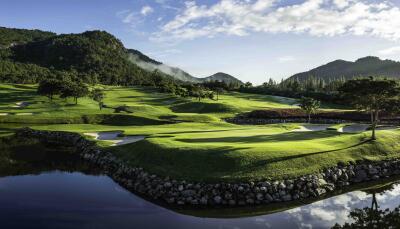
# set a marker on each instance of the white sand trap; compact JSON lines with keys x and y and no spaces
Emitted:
{"x":355,"y":128}
{"x":171,"y":101}
{"x":21,"y":104}
{"x":387,"y":127}
{"x":114,"y":137}
{"x":284,"y":99}
{"x":311,"y":127}
{"x":24,"y":114}
{"x":3,"y":114}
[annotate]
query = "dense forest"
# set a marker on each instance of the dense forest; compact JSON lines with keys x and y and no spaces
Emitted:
{"x":11,"y":37}
{"x":30,"y":56}
{"x":320,"y":89}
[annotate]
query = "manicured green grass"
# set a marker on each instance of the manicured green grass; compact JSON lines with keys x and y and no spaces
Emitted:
{"x":188,"y":139}
{"x":221,"y":151}
{"x":144,"y":102}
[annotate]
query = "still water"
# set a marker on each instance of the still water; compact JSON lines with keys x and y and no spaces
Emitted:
{"x":48,"y":193}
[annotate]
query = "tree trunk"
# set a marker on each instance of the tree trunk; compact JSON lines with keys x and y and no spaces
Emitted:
{"x":309,"y":117}
{"x":76,"y":100}
{"x":374,"y":205}
{"x":374,"y":118}
{"x":217,"y":96}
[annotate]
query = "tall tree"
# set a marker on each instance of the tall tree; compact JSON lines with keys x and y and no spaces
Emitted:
{"x":310,"y":106}
{"x":98,"y":96}
{"x":371,"y":95}
{"x":50,"y":88}
{"x":75,"y":90}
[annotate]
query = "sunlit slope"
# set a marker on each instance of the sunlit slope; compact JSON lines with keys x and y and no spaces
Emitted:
{"x":142,"y":102}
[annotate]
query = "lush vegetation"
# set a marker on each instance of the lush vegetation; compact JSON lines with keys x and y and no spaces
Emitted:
{"x":183,"y":122}
{"x":90,"y":57}
{"x":30,"y":56}
{"x":10,"y":37}
{"x":373,"y":96}
{"x":310,"y":106}
{"x":185,"y":137}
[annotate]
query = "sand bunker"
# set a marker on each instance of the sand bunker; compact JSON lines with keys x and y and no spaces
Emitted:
{"x":311,"y":128}
{"x":387,"y":127}
{"x":24,"y":114}
{"x":285,"y":99}
{"x":114,"y":137}
{"x":21,"y":104}
{"x":356,"y":128}
{"x":3,"y":114}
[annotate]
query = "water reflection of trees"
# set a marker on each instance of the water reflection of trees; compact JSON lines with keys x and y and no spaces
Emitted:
{"x":373,"y":217}
{"x":26,"y":156}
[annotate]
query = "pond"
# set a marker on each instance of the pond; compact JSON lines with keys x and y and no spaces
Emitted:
{"x":81,"y":197}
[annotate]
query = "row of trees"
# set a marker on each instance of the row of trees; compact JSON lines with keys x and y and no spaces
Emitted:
{"x":188,"y":90}
{"x":321,"y":89}
{"x":62,"y":88}
{"x":66,"y":88}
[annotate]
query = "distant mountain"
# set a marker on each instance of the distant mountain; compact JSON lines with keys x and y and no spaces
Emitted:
{"x":220,"y":76}
{"x":138,"y":56}
{"x":363,"y":67}
{"x":148,"y":63}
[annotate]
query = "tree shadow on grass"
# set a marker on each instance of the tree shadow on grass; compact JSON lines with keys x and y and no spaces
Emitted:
{"x":265,"y":99}
{"x":200,"y":131}
{"x":279,"y":159}
{"x":9,"y":98}
{"x":288,"y":136}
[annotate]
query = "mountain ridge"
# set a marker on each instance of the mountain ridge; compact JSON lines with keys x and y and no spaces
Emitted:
{"x":362,"y":67}
{"x":92,"y":56}
{"x":149,"y":63}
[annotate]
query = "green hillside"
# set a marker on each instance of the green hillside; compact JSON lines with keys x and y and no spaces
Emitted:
{"x":28,"y":56}
{"x":10,"y":37}
{"x":90,"y":57}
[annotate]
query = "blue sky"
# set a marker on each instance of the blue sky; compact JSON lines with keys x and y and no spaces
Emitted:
{"x":250,"y":39}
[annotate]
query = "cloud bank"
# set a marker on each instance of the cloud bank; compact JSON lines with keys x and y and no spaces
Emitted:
{"x":314,"y":17}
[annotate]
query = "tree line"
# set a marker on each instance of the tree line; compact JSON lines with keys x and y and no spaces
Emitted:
{"x":206,"y":90}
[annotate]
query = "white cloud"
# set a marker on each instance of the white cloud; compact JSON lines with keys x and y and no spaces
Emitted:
{"x":165,"y":4}
{"x":134,"y":18}
{"x":314,"y":17}
{"x":284,"y":59}
{"x":390,"y":51}
{"x":260,"y":5}
{"x":341,"y":3}
{"x":146,"y":10}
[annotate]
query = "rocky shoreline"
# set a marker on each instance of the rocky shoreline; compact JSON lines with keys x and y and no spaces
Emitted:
{"x":179,"y":192}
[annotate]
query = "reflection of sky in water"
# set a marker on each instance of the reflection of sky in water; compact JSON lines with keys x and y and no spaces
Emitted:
{"x":73,"y":200}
